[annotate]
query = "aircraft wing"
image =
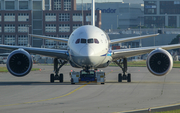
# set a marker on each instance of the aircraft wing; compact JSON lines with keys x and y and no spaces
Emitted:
{"x":131,"y":38}
{"x":50,"y":38}
{"x":125,"y":53}
{"x":61,"y":54}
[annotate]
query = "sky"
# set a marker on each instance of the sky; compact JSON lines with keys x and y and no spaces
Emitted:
{"x":89,"y":1}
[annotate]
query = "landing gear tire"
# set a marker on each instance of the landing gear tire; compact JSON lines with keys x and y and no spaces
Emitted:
{"x":57,"y":66}
{"x":122,"y":63}
{"x":52,"y":78}
{"x":61,"y":78}
{"x":129,"y":77}
{"x":120,"y":77}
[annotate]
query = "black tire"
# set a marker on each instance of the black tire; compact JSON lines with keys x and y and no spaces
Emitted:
{"x":61,"y":78}
{"x":129,"y":77}
{"x":72,"y":81}
{"x":120,"y":77}
{"x":52,"y":78}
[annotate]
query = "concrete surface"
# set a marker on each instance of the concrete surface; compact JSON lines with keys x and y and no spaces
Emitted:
{"x":35,"y":94}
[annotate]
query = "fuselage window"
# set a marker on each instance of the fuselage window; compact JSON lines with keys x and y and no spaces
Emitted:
{"x":90,"y":40}
{"x":77,"y":41}
{"x":83,"y":40}
{"x":96,"y":41}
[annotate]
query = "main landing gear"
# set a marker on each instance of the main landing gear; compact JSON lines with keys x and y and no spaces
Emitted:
{"x":123,"y":65}
{"x":56,"y":70}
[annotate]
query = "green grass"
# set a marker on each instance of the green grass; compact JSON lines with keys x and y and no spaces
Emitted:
{"x":176,"y":64}
{"x":4,"y":69}
{"x":173,"y":111}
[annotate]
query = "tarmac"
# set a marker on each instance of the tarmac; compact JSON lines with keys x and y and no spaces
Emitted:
{"x":35,"y":94}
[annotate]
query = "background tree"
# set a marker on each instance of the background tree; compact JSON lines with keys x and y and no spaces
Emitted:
{"x":175,"y":41}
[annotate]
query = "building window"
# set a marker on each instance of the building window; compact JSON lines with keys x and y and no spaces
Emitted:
{"x":75,"y":26}
{"x":23,"y":4}
{"x":37,"y":5}
{"x":64,"y":28}
{"x":23,"y":17}
{"x":9,"y":5}
{"x":50,"y":17}
{"x":46,"y":1}
{"x":150,"y":7}
{"x":47,"y":5}
{"x":9,"y":17}
{"x":9,"y":28}
{"x":77,"y":17}
{"x":0,"y":4}
{"x":22,"y":28}
{"x":9,"y":39}
{"x":57,"y":4}
{"x":88,"y":17}
{"x":63,"y":36}
{"x":0,"y":39}
{"x":22,"y":40}
{"x":172,"y":21}
{"x":67,"y":5}
{"x":0,"y":28}
{"x":50,"y":43}
{"x":64,"y":17}
{"x":154,"y":21}
{"x":50,"y":28}
{"x":170,"y":7}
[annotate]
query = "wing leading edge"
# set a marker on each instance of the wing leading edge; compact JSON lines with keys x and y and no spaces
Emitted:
{"x":62,"y":54}
{"x":50,"y":38}
{"x":125,"y":53}
{"x":115,"y":41}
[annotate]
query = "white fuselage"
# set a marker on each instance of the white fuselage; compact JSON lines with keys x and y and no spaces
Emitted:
{"x":89,"y":47}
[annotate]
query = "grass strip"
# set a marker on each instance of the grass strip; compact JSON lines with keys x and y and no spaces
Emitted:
{"x":176,"y":64}
{"x":173,"y":111}
{"x":4,"y":69}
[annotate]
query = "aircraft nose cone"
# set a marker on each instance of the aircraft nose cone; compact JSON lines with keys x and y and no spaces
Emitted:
{"x":86,"y":51}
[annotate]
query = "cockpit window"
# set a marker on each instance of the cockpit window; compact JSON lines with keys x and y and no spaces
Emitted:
{"x":90,"y":40}
{"x":77,"y":41}
{"x":83,"y":40}
{"x":96,"y":41}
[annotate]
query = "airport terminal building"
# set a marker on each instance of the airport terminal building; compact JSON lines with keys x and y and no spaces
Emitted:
{"x":162,"y":13}
{"x":57,"y":18}
{"x":118,"y":14}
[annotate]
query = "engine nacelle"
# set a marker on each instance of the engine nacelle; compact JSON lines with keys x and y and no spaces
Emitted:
{"x":19,"y":63}
{"x":159,"y":62}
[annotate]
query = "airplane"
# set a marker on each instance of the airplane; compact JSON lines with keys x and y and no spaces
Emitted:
{"x":89,"y":48}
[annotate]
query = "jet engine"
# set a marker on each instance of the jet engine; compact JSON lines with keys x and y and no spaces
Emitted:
{"x":159,"y":62}
{"x":19,"y":63}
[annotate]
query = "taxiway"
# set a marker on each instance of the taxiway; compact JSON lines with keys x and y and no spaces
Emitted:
{"x":35,"y":93}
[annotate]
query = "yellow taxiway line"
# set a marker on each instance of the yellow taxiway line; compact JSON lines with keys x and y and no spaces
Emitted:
{"x":46,"y":99}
